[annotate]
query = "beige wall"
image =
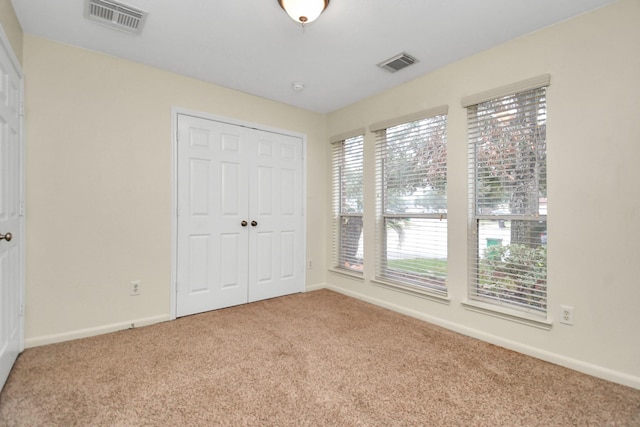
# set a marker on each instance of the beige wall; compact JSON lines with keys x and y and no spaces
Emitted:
{"x":11,"y":26}
{"x":594,"y":198}
{"x":99,"y":182}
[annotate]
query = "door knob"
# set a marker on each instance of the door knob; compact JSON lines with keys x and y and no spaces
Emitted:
{"x":6,"y":237}
{"x":254,"y":223}
{"x":243,"y":223}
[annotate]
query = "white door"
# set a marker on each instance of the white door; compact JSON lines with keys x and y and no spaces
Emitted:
{"x":276,"y":242}
{"x":11,"y":224}
{"x":240,"y":221}
{"x":213,"y":244}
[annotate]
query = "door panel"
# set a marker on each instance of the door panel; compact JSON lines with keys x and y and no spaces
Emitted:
{"x":264,"y":263}
{"x":265,"y":191}
{"x":287,"y":254}
{"x":230,"y":189}
{"x":199,"y":182}
{"x":230,"y":243}
{"x":199,"y":255}
{"x":287,"y":192}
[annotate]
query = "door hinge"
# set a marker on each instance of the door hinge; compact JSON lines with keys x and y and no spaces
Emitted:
{"x":21,"y":208}
{"x":21,"y":310}
{"x":21,"y":109}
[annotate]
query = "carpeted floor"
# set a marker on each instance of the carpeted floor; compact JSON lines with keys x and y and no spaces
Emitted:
{"x":313,"y":359}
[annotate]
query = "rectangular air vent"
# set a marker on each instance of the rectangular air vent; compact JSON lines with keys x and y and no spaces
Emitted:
{"x":115,"y":15}
{"x":398,"y":62}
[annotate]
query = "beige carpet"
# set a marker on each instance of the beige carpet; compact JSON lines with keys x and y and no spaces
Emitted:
{"x":314,"y":359}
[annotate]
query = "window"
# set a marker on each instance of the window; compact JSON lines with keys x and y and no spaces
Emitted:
{"x":347,"y":159}
{"x":508,"y":189}
{"x":411,"y":236}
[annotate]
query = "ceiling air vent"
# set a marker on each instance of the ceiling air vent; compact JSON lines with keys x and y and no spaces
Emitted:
{"x":115,"y":15}
{"x":398,"y":62}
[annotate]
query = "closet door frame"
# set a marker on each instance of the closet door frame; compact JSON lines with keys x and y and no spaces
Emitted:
{"x":175,"y":112}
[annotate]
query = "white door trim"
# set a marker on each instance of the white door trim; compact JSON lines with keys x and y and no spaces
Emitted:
{"x":175,"y":112}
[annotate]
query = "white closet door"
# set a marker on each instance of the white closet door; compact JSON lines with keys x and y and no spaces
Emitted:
{"x":240,"y":219}
{"x":212,"y":203}
{"x":276,"y":242}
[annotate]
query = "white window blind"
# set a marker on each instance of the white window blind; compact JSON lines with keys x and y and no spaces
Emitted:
{"x":347,"y":160}
{"x":411,"y":161}
{"x":508,"y":189}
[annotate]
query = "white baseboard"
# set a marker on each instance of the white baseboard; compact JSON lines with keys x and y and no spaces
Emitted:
{"x":90,"y":332}
{"x":558,"y":359}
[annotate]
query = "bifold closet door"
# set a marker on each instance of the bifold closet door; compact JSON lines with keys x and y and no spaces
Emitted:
{"x":240,"y":219}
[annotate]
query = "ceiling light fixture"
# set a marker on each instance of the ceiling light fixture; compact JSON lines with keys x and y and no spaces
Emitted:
{"x":304,"y":11}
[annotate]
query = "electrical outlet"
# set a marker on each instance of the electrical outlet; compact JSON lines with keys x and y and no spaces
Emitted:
{"x":135,"y":288}
{"x":566,"y":315}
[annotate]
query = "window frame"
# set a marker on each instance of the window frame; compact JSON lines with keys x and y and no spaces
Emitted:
{"x":534,"y":310}
{"x":383,"y":275}
{"x":342,"y":217}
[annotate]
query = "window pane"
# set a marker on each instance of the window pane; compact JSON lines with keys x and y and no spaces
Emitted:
{"x":416,"y":251}
{"x":412,"y":203}
{"x":351,"y":252}
{"x":509,"y":134}
{"x":415,"y":167}
{"x":348,"y":203}
{"x":508,"y":182}
{"x":351,"y":199}
{"x":509,"y":271}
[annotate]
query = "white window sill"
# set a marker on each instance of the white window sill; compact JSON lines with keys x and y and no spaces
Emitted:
{"x":432,"y":295}
{"x":508,"y":314}
{"x":347,"y":273}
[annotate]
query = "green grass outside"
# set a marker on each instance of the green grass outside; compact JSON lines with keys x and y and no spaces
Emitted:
{"x":420,"y":266}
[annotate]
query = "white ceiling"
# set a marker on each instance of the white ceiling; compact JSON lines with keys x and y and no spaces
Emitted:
{"x":253,"y":46}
